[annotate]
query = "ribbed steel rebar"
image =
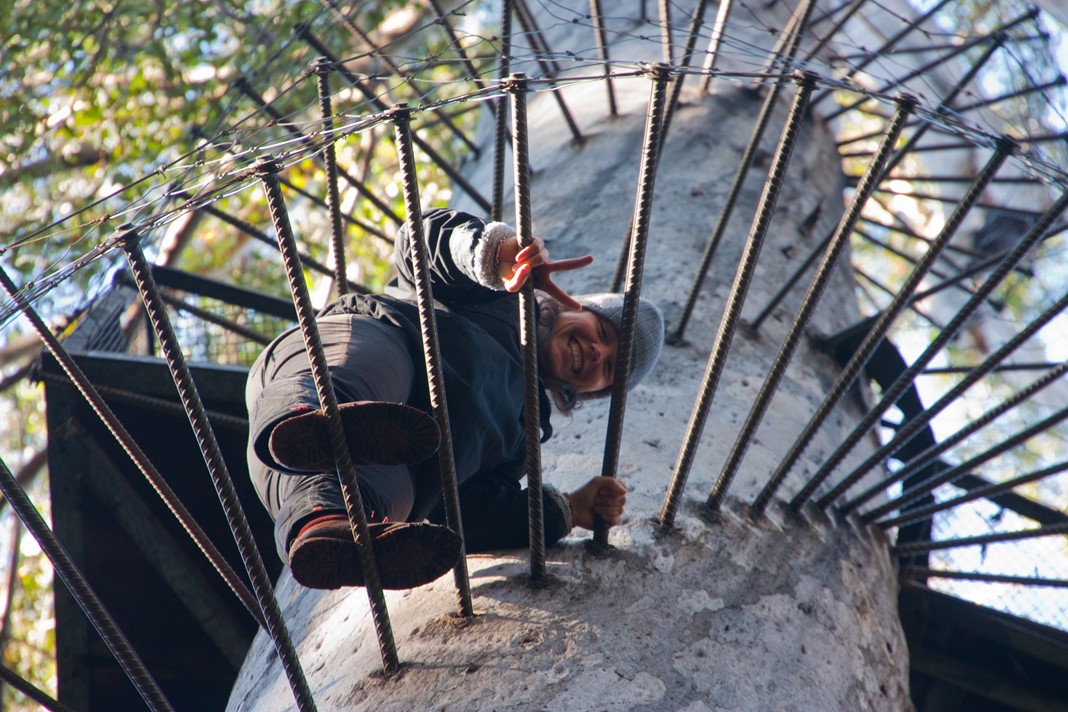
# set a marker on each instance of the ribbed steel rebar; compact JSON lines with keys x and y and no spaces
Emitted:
{"x":902,"y":254}
{"x":305,"y":34}
{"x":732,"y":310}
{"x":812,"y":297}
{"x":1039,"y":89}
{"x":550,"y":69}
{"x":712,"y":52}
{"x":1001,"y":368}
{"x":886,"y":46}
{"x":697,"y":20}
{"x":851,"y":10}
{"x":397,"y":70}
{"x":781,"y":57}
{"x":989,"y":492}
{"x":914,"y":425}
{"x":220,"y":476}
{"x":729,"y":202}
{"x":920,"y":547}
{"x":400,"y":116}
{"x":930,"y":454}
{"x":917,"y":492}
{"x":261,"y":236}
{"x":322,"y":68}
{"x":242,"y":85}
{"x":516,"y":87}
{"x":601,"y":35}
{"x":756,"y":322}
{"x":914,"y":138}
{"x":266,"y":170}
{"x":79,"y":588}
{"x":925,"y":68}
{"x":664,"y":14}
{"x":882,"y":324}
{"x":923,"y":573}
{"x":455,"y":42}
{"x":659,"y":75}
{"x":500,"y":138}
{"x":891,"y":394}
{"x":362,"y":224}
{"x":134,"y":451}
{"x":39,"y":696}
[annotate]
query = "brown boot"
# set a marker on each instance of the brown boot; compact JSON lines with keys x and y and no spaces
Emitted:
{"x":378,"y":433}
{"x":324,"y":554}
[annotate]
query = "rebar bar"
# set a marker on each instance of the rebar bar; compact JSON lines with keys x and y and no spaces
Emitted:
{"x":756,"y":322}
{"x":925,"y":68}
{"x":266,"y":169}
{"x":920,"y":572}
{"x":919,"y":547}
{"x":923,"y":459}
{"x":406,"y":77}
{"x":17,"y":682}
{"x":918,"y":491}
{"x":913,"y":426}
{"x":882,"y":324}
{"x":659,"y":75}
{"x":664,"y":16}
{"x":220,"y":476}
{"x":712,"y":52}
{"x":242,"y":85}
{"x":133,"y":450}
{"x":988,"y":492}
{"x":781,"y":57}
{"x":205,"y":314}
{"x":322,"y":67}
{"x":261,"y":236}
{"x":400,"y":115}
{"x":851,"y":9}
{"x":543,"y":55}
{"x":1001,"y":368}
{"x":732,"y":310}
{"x":999,"y":39}
{"x":601,"y":36}
{"x":465,"y":58}
{"x":906,"y":105}
{"x":729,"y":203}
{"x":305,"y":34}
{"x":79,"y":588}
{"x":500,"y":138}
{"x":696,"y":21}
{"x":878,"y":284}
{"x":362,"y":224}
{"x":891,"y":394}
{"x":906,"y":231}
{"x":516,"y":87}
{"x":911,"y":259}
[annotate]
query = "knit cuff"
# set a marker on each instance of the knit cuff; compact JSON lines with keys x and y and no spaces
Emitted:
{"x":562,"y":503}
{"x":486,"y":254}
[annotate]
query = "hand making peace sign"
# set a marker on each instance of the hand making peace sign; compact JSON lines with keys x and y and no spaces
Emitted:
{"x":515,"y":265}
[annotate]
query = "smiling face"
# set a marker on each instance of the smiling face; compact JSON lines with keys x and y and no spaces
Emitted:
{"x":581,"y":351}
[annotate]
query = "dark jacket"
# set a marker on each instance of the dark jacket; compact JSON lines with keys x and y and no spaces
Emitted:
{"x":482,"y":364}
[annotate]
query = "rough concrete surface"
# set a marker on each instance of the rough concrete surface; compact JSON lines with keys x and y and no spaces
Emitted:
{"x":785,"y":613}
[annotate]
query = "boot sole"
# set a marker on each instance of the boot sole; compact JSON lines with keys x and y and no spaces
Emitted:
{"x":408,"y":556}
{"x":377,"y":433}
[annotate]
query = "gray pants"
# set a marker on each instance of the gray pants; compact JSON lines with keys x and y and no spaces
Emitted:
{"x":368,"y":360}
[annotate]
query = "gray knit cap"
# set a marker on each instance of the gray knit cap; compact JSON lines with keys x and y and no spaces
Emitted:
{"x":648,"y":330}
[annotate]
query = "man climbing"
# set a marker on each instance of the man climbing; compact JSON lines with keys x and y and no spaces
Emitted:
{"x":374,"y":348}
